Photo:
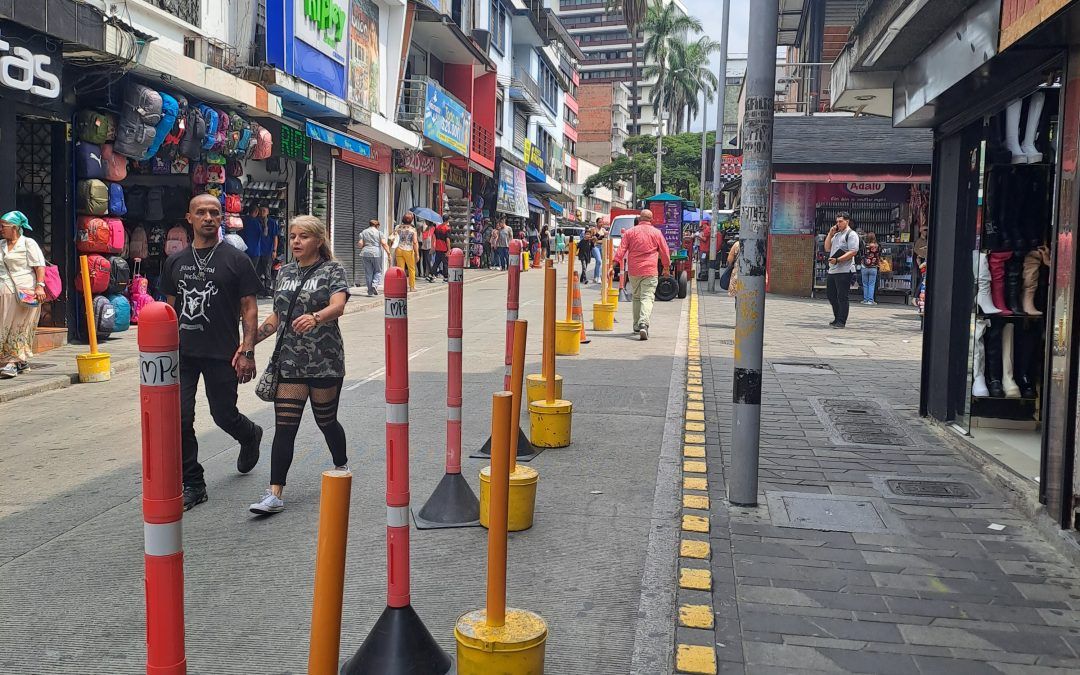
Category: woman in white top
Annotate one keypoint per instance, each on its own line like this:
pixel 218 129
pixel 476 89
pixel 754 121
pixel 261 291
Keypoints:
pixel 406 248
pixel 22 290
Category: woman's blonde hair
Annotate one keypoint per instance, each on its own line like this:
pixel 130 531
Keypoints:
pixel 316 228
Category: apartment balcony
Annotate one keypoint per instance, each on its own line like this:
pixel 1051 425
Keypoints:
pixel 525 91
pixel 619 131
pixel 413 104
pixel 483 146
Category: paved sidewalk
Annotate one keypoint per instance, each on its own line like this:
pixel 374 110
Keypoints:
pixel 833 571
pixel 56 368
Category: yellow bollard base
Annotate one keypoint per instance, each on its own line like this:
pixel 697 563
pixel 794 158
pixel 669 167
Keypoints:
pixel 524 260
pixel 613 297
pixel 603 316
pixel 94 367
pixel 549 423
pixel 536 387
pixel 522 502
pixel 567 338
pixel 515 647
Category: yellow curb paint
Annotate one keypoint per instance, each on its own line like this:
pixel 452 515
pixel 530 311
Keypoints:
pixel 698 415
pixel 696 439
pixel 696 659
pixel 693 451
pixel 692 548
pixel 695 426
pixel 693 381
pixel 695 524
pixel 694 389
pixel 694 467
pixel 695 579
pixel 695 405
pixel 696 616
pixel 695 502
pixel 695 483
pixel 694 396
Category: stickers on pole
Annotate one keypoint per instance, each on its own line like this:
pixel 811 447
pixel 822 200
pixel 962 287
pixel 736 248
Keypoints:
pixel 159 369
pixel 396 308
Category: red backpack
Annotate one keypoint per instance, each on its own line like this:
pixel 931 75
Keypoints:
pixel 100 272
pixel 92 235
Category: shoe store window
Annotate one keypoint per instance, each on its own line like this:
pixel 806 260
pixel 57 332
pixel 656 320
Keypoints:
pixel 1017 173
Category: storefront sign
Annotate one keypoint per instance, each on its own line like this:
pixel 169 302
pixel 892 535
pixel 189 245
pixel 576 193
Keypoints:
pixel 338 139
pixel 865 188
pixel 446 121
pixel 1020 17
pixel 412 161
pixel 321 24
pixel 512 198
pixel 308 39
pixel 293 144
pixel 24 70
pixel 380 161
pixel 793 208
pixel 454 176
pixel 364 55
pixel 672 227
pixel 534 162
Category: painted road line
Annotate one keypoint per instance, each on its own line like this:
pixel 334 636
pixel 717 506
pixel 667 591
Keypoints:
pixel 382 371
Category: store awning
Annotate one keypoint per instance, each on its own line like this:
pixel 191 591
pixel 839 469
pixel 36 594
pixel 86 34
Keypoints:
pixel 915 174
pixel 556 206
pixel 338 139
pixel 535 205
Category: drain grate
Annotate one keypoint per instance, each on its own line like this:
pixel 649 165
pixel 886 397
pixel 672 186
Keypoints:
pixel 934 489
pixel 866 423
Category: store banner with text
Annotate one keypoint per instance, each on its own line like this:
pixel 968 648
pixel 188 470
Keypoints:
pixel 672 227
pixel 512 198
pixel 321 24
pixel 414 161
pixel 364 55
pixel 446 121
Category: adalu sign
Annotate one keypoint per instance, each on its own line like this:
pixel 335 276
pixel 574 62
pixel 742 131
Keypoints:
pixel 446 121
pixel 28 71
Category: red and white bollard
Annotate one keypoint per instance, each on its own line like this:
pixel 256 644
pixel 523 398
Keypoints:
pixel 399 642
pixel 453 503
pixel 163 490
pixel 525 450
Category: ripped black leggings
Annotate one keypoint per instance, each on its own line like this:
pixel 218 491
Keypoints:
pixel 292 397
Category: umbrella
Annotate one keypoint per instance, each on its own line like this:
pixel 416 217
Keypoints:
pixel 428 215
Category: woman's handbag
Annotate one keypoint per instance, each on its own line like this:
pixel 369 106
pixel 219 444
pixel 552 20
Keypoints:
pixel 266 389
pixel 885 266
pixel 54 287
pixel 28 298
pixel 725 277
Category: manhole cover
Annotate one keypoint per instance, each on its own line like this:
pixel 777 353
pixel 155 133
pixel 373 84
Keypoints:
pixel 831 513
pixel 931 488
pixel 804 368
pixel 866 423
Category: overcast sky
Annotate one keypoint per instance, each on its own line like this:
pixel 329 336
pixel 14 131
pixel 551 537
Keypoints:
pixel 709 12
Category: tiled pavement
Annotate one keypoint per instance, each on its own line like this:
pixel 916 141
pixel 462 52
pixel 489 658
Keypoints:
pixel 878 583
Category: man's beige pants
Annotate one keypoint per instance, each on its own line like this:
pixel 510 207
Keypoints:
pixel 644 289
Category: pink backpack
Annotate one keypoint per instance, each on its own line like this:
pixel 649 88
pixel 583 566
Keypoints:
pixel 264 144
pixel 115 165
pixel 116 234
pixel 138 291
pixel 138 245
pixel 176 240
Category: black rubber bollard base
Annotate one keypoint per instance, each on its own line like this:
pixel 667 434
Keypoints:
pixel 525 450
pixel 399 644
pixel 452 504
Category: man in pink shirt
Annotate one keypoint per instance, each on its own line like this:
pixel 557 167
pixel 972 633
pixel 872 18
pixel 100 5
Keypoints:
pixel 644 246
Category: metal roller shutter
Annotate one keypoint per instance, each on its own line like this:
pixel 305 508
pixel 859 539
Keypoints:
pixel 356 201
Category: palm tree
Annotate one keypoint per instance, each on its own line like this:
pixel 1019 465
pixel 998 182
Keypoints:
pixel 683 78
pixel 665 26
pixel 633 13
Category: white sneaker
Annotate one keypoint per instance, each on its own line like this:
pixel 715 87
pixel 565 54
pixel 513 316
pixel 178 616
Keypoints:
pixel 343 467
pixel 9 371
pixel 268 504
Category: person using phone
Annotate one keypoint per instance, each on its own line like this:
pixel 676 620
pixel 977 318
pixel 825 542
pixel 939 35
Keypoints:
pixel 842 243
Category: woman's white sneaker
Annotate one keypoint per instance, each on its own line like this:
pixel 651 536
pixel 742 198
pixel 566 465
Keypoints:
pixel 268 504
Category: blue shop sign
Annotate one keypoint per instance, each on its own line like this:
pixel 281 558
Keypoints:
pixel 308 39
pixel 446 121
pixel 337 139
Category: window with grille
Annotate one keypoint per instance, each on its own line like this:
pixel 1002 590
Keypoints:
pixel 497 22
pixel 185 10
pixel 521 128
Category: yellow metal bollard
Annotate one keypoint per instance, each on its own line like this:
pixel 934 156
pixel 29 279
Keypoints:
pixel 95 366
pixel 550 418
pixel 329 573
pixel 536 387
pixel 536 384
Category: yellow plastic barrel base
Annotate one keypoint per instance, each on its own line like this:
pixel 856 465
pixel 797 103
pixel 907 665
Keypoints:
pixel 550 423
pixel 603 316
pixel 613 297
pixel 524 261
pixel 567 338
pixel 515 647
pixel 536 387
pixel 522 503
pixel 94 367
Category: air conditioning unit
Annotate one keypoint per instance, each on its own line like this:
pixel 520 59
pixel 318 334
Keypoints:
pixel 212 52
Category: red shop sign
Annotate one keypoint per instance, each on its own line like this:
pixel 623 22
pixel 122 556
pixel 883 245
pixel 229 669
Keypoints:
pixel 380 161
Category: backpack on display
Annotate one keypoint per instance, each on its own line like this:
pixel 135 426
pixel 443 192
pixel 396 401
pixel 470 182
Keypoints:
pixel 222 135
pixel 135 200
pixel 244 145
pixel 114 165
pixel 117 235
pixel 214 157
pixel 104 317
pixel 122 307
pixel 234 224
pixel 264 144
pixel 93 197
pixel 234 168
pixel 215 174
pixel 88 160
pixel 200 175
pixel 99 275
pixel 117 207
pixel 211 117
pixel 155 240
pixel 177 240
pixel 160 166
pixel 170 146
pixel 119 275
pixel 233 186
pixel 138 291
pixel 169 110
pixel 94 126
pixel 155 204
pixel 133 137
pixel 233 204
pixel 138 243
pixel 194 132
pixel 92 235
pixel 142 103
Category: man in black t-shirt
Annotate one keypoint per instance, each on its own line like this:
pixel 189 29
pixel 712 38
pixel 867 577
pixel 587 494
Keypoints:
pixel 213 288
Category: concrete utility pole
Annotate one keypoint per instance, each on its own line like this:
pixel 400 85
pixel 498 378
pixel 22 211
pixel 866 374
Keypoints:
pixel 704 133
pixel 718 146
pixel 659 143
pixel 754 217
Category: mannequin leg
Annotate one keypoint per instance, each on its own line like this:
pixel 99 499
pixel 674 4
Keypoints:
pixel 1012 390
pixel 978 380
pixel 1035 106
pixel 1012 132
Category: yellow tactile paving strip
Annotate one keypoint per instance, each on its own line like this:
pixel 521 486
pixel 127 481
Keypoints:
pixel 694 547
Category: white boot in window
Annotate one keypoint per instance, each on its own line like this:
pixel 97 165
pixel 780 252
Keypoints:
pixel 978 360
pixel 1035 106
pixel 982 285
pixel 1012 390
pixel 1012 132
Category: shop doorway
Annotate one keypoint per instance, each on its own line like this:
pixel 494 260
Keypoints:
pixel 356 201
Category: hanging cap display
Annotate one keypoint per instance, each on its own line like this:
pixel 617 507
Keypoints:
pixel 18 219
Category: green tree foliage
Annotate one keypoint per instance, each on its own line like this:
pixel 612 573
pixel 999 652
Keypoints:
pixel 681 162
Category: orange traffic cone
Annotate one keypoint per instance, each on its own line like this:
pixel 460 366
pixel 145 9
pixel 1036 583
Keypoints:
pixel 577 314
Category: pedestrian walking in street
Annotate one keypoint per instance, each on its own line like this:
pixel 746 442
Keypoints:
pixel 733 263
pixel 647 256
pixel 22 292
pixel 442 251
pixel 599 232
pixel 372 246
pixel 560 246
pixel 405 256
pixel 271 233
pixel 532 236
pixel 503 235
pixel 585 250
pixel 871 261
pixel 425 265
pixel 484 239
pixel 309 298
pixel 843 245
pixel 253 237
pixel 213 289
pixel 547 242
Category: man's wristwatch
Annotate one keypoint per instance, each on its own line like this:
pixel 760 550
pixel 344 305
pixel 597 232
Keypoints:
pixel 315 316
pixel 249 354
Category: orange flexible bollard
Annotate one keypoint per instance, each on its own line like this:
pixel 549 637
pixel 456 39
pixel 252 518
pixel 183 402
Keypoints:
pixel 329 573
